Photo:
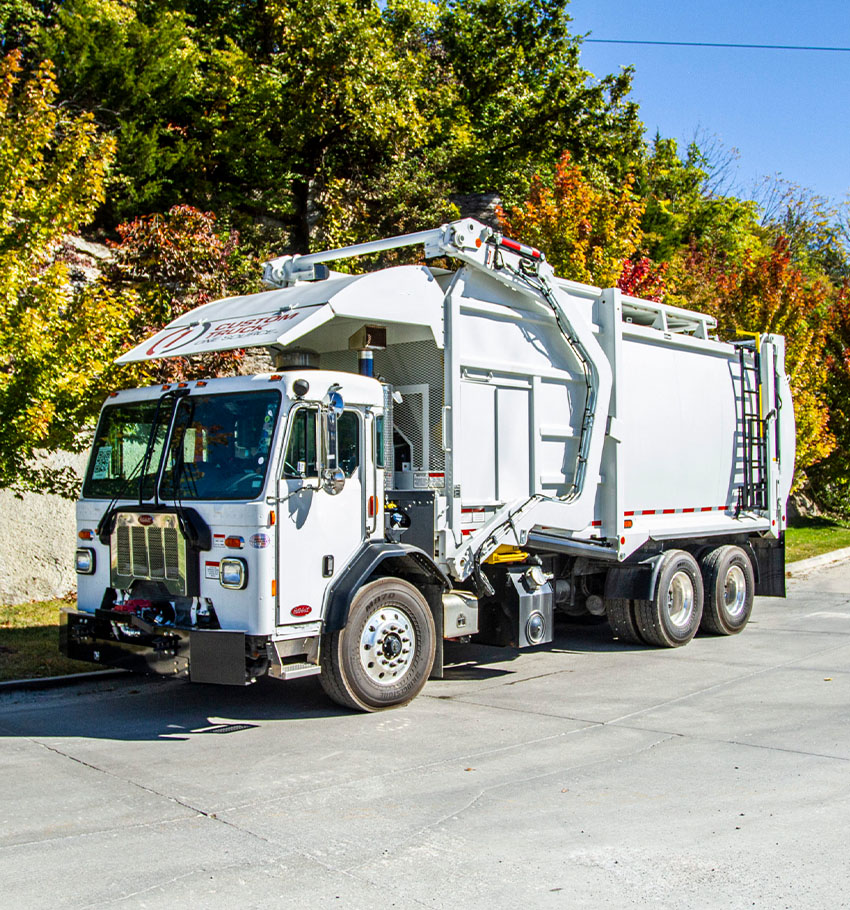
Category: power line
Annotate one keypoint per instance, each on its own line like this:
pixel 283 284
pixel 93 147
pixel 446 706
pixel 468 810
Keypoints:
pixel 764 47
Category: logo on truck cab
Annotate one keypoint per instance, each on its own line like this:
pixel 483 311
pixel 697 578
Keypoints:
pixel 146 520
pixel 301 610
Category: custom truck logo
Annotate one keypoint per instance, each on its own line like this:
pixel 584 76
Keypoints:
pixel 206 334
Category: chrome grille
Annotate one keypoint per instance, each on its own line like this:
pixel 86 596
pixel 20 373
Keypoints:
pixel 151 552
pixel 139 543
pixel 125 566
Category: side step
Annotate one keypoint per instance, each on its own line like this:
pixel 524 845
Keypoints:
pixel 294 671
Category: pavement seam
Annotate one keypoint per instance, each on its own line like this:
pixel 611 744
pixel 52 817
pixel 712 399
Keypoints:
pixel 738 742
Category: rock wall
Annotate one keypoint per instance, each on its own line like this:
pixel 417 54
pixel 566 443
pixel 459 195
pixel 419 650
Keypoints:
pixel 37 543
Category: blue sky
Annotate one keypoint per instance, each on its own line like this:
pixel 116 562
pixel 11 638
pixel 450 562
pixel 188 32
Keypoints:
pixel 786 112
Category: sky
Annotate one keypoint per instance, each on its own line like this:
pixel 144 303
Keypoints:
pixel 786 112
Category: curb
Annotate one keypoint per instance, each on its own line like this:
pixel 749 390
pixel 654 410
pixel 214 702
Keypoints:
pixel 804 566
pixel 54 682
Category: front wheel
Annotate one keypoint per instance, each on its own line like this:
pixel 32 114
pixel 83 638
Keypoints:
pixel 383 656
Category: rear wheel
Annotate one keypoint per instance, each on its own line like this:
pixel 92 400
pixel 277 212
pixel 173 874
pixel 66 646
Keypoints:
pixel 672 617
pixel 383 657
pixel 621 617
pixel 729 586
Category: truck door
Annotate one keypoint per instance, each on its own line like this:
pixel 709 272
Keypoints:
pixel 317 532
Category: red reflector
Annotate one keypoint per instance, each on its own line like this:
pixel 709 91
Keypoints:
pixel 596 524
pixel 235 543
pixel 688 510
pixel 85 535
pixel 705 509
pixel 669 512
pixel 648 512
pixel 301 610
pixel 622 540
pixel 372 506
pixel 628 513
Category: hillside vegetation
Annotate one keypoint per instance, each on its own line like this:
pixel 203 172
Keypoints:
pixel 198 137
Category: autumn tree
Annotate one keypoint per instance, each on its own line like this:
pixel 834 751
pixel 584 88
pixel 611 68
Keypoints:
pixel 167 264
pixel 587 232
pixel 767 293
pixel 55 341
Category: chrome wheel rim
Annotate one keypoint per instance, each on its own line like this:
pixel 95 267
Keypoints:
pixel 680 600
pixel 735 592
pixel 387 646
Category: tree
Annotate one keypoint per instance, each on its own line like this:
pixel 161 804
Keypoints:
pixel 587 233
pixel 767 293
pixel 54 340
pixel 166 265
pixel 523 96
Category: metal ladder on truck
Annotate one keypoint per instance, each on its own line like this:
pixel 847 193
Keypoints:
pixel 752 492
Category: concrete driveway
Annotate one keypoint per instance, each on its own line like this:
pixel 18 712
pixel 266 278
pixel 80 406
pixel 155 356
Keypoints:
pixel 582 774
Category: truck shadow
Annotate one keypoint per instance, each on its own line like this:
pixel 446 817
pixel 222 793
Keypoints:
pixel 139 708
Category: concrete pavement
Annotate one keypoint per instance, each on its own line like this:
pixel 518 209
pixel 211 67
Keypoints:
pixel 585 773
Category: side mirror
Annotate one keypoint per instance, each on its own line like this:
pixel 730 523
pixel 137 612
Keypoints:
pixel 333 481
pixel 333 477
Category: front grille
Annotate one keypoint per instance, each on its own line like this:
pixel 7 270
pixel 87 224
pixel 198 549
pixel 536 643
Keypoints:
pixel 151 552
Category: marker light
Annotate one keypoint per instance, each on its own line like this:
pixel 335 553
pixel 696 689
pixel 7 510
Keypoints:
pixel 84 561
pixel 233 573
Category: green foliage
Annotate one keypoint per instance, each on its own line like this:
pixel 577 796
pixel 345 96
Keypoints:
pixel 524 97
pixel 53 339
pixel 681 209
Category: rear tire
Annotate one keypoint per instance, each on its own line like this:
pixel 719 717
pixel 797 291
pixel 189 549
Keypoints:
pixel 383 656
pixel 729 587
pixel 621 617
pixel 672 617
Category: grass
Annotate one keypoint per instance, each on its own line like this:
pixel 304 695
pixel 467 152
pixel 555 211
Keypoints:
pixel 807 537
pixel 29 633
pixel 29 642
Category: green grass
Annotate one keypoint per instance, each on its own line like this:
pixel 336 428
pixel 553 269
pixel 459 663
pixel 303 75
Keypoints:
pixel 807 537
pixel 29 633
pixel 29 642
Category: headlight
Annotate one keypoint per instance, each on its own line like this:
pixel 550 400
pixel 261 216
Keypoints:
pixel 233 573
pixel 85 561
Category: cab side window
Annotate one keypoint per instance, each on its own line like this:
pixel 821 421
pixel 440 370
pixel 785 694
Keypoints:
pixel 300 459
pixel 348 442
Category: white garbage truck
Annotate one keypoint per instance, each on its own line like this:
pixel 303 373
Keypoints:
pixel 452 452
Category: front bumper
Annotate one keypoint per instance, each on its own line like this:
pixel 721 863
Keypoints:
pixel 119 639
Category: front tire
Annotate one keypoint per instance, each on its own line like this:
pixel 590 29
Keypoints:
pixel 383 656
pixel 672 617
pixel 729 586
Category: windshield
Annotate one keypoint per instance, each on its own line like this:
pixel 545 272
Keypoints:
pixel 121 441
pixel 220 446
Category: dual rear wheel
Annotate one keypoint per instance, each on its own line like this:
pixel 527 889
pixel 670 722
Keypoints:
pixel 714 595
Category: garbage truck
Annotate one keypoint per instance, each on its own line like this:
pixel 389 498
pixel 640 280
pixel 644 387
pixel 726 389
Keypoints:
pixel 458 450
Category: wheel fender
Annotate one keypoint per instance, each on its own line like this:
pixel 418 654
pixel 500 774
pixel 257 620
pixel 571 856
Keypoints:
pixel 376 559
pixel 634 582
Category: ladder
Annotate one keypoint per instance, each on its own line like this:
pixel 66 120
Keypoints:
pixel 752 492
